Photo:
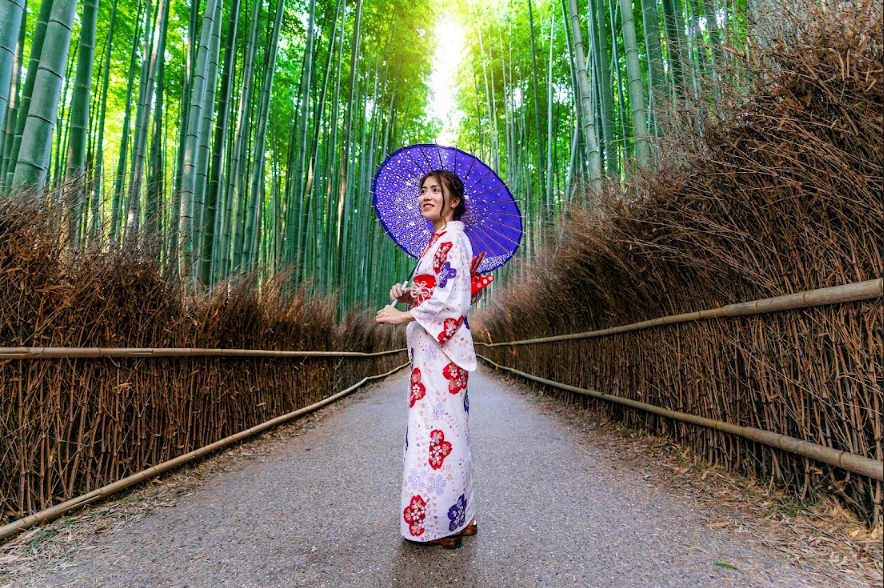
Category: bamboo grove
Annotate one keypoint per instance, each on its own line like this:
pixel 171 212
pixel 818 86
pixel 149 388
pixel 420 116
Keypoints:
pixel 233 137
pixel 228 136
pixel 564 95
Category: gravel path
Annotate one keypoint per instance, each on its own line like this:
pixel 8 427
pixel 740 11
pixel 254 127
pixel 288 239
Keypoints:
pixel 555 508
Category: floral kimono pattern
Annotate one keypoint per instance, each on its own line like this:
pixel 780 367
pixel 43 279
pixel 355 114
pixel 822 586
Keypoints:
pixel 437 481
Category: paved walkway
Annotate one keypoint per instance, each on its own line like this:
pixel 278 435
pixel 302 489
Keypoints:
pixel 555 509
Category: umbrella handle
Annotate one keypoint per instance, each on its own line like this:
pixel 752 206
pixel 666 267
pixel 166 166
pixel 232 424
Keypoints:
pixel 395 302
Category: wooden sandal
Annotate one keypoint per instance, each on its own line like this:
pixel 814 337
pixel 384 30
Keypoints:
pixel 450 542
pixel 470 529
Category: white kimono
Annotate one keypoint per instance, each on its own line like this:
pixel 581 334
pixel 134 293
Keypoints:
pixel 437 481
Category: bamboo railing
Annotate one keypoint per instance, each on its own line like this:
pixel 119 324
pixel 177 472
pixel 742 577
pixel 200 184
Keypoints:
pixel 134 352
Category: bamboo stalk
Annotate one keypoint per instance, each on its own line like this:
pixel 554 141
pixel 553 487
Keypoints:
pixel 857 464
pixel 107 490
pixel 108 352
pixel 855 292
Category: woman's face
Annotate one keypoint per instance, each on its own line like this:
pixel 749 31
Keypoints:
pixel 431 201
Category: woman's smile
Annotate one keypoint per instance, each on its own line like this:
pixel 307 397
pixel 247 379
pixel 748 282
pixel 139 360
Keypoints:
pixel 431 197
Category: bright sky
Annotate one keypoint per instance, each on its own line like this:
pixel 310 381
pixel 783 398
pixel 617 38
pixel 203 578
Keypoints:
pixel 445 62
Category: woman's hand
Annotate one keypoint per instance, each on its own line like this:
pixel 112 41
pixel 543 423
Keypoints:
pixel 400 294
pixel 390 316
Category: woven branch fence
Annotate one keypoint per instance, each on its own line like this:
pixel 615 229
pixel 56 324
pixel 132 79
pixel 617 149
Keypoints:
pixel 846 459
pixel 160 467
pixel 780 194
pixel 72 425
pixel 110 366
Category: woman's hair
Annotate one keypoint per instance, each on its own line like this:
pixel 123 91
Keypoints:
pixel 455 187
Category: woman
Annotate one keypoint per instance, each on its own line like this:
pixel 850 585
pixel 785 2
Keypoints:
pixel 437 487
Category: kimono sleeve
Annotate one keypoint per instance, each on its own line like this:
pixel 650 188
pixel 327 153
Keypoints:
pixel 443 312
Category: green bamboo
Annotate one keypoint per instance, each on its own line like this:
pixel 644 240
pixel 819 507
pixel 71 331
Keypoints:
pixel 99 154
pixel 11 12
pixel 33 159
pixel 547 213
pixel 76 154
pixel 28 88
pixel 589 133
pixel 233 228
pixel 55 170
pixel 536 95
pixel 251 241
pixel 656 77
pixel 207 273
pixel 11 119
pixel 155 167
pixel 641 142
pixel 674 25
pixel 117 202
pixel 191 141
pixel 345 148
pixel 304 180
pixel 604 84
pixel 203 152
pixel 155 48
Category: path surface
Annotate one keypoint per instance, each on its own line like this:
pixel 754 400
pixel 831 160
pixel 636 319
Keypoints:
pixel 554 509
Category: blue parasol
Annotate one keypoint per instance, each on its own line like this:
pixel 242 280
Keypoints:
pixel 492 220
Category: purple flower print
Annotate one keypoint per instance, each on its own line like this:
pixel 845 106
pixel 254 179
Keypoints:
pixel 446 273
pixel 406 437
pixel 436 484
pixel 466 401
pixel 438 411
pixel 457 513
pixel 417 478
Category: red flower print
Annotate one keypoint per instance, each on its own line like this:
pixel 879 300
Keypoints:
pixel 449 326
pixel 439 448
pixel 417 389
pixel 422 288
pixel 435 237
pixel 441 256
pixel 457 377
pixel 414 514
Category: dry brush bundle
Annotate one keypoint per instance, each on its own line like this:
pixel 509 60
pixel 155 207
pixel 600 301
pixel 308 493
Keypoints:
pixel 68 426
pixel 780 196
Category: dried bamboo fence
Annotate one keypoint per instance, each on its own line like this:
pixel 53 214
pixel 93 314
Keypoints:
pixel 114 487
pixel 858 464
pixel 72 422
pixel 111 366
pixel 781 193
pixel 812 374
